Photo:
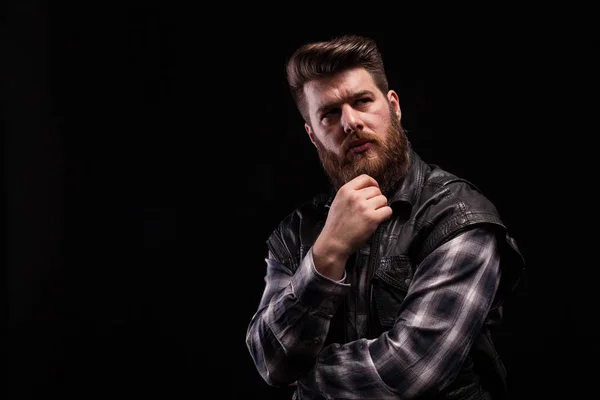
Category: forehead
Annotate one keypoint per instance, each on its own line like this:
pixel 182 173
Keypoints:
pixel 338 87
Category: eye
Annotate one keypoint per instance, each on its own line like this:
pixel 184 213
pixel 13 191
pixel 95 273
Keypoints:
pixel 330 114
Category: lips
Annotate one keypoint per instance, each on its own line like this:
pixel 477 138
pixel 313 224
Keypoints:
pixel 359 145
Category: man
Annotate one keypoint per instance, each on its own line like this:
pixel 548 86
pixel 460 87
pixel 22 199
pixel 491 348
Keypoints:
pixel 389 286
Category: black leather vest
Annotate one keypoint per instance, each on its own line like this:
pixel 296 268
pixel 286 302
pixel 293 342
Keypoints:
pixel 430 207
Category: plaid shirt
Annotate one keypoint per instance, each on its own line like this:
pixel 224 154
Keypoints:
pixel 446 305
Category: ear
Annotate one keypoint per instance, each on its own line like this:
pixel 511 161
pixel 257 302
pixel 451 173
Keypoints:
pixel 395 102
pixel 310 132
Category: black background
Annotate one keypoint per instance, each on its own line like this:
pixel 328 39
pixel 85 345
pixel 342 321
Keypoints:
pixel 149 151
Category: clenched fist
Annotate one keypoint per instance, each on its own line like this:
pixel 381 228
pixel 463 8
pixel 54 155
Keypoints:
pixel 356 211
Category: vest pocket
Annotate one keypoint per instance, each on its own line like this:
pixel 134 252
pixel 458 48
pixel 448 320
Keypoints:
pixel 390 285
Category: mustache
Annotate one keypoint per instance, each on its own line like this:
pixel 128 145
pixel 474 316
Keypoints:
pixel 362 136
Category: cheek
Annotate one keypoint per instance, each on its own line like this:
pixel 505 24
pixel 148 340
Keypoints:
pixel 330 142
pixel 336 147
pixel 381 131
pixel 380 122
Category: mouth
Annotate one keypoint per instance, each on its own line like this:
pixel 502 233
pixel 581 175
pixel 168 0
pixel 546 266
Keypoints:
pixel 360 146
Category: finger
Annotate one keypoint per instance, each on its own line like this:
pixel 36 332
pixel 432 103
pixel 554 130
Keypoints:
pixel 378 202
pixel 383 213
pixel 369 192
pixel 362 181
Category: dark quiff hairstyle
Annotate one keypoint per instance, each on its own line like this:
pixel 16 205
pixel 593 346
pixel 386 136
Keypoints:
pixel 326 58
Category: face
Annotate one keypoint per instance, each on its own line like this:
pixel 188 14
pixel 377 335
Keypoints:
pixel 356 129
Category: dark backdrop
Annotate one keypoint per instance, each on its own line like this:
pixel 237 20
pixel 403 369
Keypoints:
pixel 150 150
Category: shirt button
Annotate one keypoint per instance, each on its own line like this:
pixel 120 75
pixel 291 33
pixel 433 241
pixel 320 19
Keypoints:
pixel 317 340
pixel 407 281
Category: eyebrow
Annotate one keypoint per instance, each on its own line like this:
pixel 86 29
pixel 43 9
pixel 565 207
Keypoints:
pixel 328 106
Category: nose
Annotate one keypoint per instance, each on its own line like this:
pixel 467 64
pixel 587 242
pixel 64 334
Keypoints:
pixel 351 120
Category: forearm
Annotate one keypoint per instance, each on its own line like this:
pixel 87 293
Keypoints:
pixel 329 259
pixel 384 368
pixel 288 331
pixel 443 311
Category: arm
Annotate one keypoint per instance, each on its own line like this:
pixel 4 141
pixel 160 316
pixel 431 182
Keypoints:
pixel 288 331
pixel 445 308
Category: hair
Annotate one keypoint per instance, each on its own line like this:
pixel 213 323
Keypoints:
pixel 326 58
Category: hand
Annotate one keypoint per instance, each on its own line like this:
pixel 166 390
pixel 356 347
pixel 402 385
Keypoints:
pixel 356 211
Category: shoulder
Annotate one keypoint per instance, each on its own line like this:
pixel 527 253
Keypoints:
pixel 447 206
pixel 442 186
pixel 294 234
pixel 306 212
pixel 449 199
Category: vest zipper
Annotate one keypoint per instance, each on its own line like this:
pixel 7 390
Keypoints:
pixel 373 257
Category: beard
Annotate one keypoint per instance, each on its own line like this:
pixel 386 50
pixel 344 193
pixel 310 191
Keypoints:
pixel 387 161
